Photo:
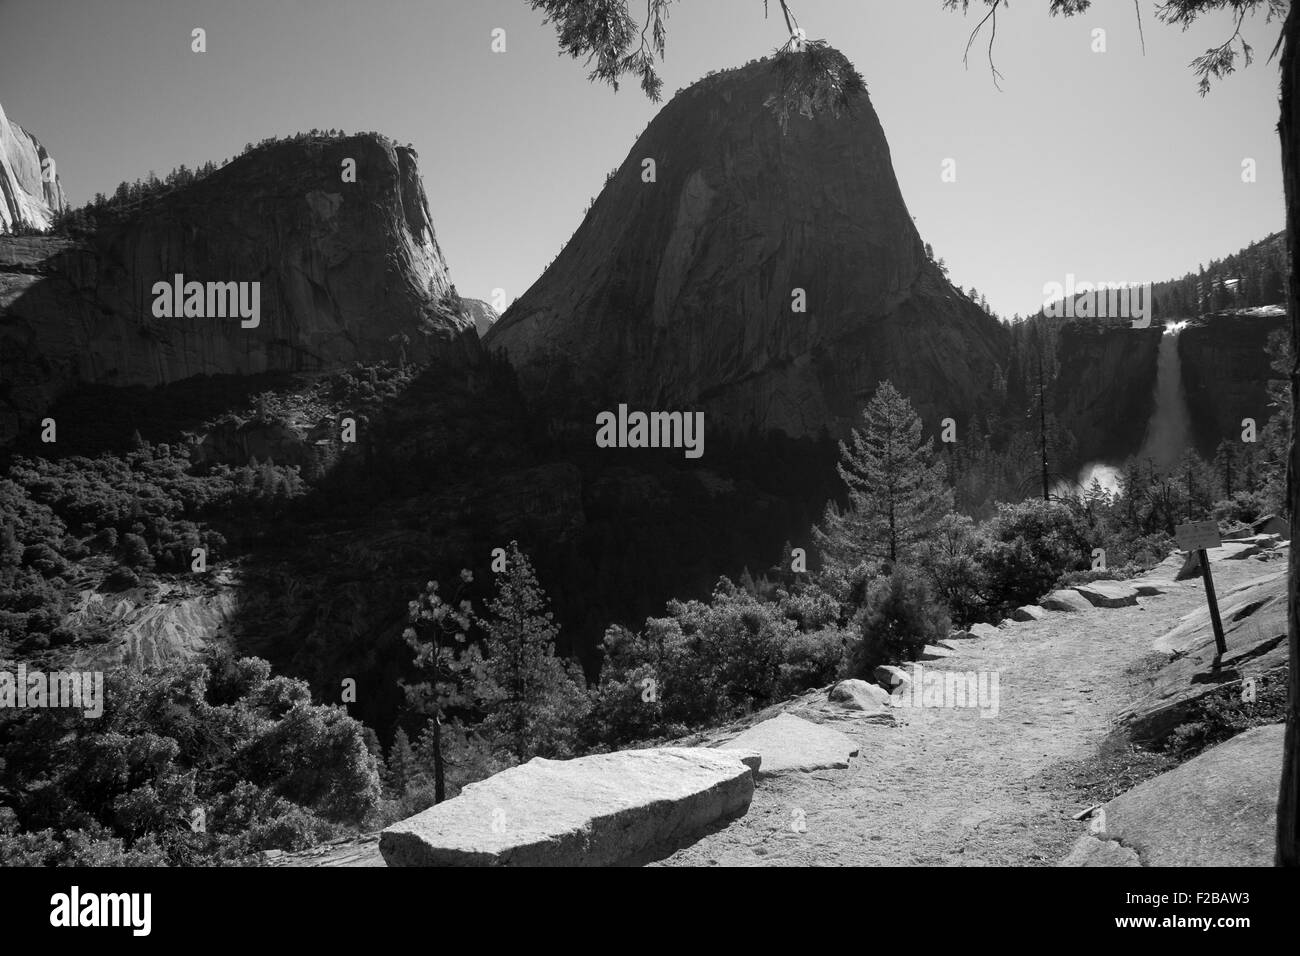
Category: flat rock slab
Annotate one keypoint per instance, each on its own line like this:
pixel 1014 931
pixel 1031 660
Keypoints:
pixel 600 810
pixel 1217 809
pixel 791 744
pixel 1090 851
pixel 1228 551
pixel 1235 604
pixel 983 630
pixel 1108 594
pixel 932 652
pixel 1066 599
pixel 1030 612
pixel 1255 632
pixel 855 694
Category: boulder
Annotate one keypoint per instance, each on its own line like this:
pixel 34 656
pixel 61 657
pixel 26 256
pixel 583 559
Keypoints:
pixel 791 744
pixel 1030 612
pixel 891 677
pixel 1217 809
pixel 932 652
pixel 961 636
pixel 1108 594
pixel 600 810
pixel 855 694
pixel 1066 599
pixel 983 630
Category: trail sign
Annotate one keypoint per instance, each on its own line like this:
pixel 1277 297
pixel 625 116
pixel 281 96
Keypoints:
pixel 1198 536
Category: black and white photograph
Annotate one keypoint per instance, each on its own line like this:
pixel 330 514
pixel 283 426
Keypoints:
pixel 850 434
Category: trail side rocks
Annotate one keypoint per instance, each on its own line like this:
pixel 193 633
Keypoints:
pixel 1255 632
pixel 1234 550
pixel 601 810
pixel 857 694
pixel 1067 600
pixel 1030 612
pixel 1108 594
pixel 1217 809
pixel 791 744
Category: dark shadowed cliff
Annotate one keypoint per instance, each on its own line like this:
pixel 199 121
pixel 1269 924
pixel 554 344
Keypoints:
pixel 348 271
pixel 679 292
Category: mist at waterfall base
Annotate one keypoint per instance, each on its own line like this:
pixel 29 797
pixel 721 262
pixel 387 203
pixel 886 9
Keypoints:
pixel 1169 429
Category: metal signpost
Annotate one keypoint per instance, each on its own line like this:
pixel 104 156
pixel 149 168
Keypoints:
pixel 1198 536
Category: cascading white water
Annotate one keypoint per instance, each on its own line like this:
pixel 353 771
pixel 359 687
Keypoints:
pixel 1169 431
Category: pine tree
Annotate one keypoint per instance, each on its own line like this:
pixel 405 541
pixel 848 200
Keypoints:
pixel 401 763
pixel 534 700
pixel 897 490
pixel 451 667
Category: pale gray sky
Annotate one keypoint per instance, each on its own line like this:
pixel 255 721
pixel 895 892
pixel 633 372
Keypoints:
pixel 1107 165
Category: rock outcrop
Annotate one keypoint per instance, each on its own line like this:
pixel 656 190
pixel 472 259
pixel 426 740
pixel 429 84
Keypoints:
pixel 602 810
pixel 683 291
pixel 790 744
pixel 1254 627
pixel 1226 368
pixel 346 271
pixel 30 189
pixel 482 314
pixel 1218 809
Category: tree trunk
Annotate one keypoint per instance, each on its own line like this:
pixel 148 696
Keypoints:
pixel 439 776
pixel 1288 805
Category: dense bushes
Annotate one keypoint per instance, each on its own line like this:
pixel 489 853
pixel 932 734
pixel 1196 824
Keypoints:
pixel 206 760
pixel 901 616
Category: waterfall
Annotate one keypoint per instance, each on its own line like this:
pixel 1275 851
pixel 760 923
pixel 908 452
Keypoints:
pixel 1169 431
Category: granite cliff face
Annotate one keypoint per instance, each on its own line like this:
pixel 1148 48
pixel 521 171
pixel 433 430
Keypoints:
pixel 347 271
pixel 1226 368
pixel 681 291
pixel 1104 390
pixel 30 189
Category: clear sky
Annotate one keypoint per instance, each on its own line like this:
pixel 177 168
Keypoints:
pixel 1106 165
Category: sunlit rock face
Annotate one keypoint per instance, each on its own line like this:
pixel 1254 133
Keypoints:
pixel 30 189
pixel 686 291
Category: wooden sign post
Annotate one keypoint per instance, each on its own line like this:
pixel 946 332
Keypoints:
pixel 1198 536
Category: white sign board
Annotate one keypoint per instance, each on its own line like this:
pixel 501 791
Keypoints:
pixel 1198 534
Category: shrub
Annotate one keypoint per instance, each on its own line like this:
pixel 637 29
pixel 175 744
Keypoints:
pixel 901 616
pixel 1031 545
pixel 812 660
pixel 121 579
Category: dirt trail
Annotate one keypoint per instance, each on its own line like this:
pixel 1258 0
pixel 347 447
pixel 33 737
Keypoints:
pixel 949 787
